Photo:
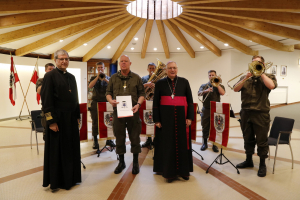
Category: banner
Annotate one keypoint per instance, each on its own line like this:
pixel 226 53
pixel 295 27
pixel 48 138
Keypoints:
pixel 146 115
pixel 13 79
pixel 83 126
pixel 105 119
pixel 34 78
pixel 219 123
pixel 194 124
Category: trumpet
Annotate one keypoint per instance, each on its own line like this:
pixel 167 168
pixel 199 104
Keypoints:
pixel 215 81
pixel 256 68
pixel 102 76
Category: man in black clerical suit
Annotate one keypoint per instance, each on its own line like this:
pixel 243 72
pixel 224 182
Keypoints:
pixel 62 166
pixel 173 112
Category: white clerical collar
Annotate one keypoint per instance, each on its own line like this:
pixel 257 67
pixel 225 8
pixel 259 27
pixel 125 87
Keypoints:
pixel 61 70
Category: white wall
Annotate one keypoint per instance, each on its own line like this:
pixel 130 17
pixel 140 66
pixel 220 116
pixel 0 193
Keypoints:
pixel 229 65
pixel 25 67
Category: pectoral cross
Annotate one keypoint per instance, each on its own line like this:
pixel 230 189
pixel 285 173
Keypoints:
pixel 124 86
pixel 172 96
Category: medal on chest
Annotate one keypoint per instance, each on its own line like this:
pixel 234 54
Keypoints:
pixel 124 86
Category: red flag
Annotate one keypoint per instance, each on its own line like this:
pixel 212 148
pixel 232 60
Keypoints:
pixel 219 123
pixel 13 79
pixel 34 78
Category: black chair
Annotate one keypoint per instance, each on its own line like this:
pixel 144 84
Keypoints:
pixel 36 125
pixel 280 133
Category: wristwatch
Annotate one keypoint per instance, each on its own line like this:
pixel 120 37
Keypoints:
pixel 139 105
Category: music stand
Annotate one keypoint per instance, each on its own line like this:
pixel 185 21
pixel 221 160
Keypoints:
pixel 222 163
pixel 105 147
pixel 198 154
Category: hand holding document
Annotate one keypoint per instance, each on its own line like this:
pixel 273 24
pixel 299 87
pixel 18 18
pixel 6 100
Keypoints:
pixel 124 108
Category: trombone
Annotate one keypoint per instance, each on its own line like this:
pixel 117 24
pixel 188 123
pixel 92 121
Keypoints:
pixel 215 81
pixel 256 68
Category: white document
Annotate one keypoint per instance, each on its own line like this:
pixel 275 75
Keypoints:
pixel 124 106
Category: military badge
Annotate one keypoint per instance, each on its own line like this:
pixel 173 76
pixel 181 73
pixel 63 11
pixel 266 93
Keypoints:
pixel 108 119
pixel 219 122
pixel 148 117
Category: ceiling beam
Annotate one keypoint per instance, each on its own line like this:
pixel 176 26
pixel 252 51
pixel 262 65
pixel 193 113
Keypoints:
pixel 297 46
pixel 99 1
pixel 108 38
pixel 146 37
pixel 33 18
pixel 48 27
pixel 219 36
pixel 180 37
pixel 255 25
pixel 198 36
pixel 204 1
pixel 26 6
pixel 163 37
pixel 68 32
pixel 131 33
pixel 99 30
pixel 253 5
pixel 273 17
pixel 243 33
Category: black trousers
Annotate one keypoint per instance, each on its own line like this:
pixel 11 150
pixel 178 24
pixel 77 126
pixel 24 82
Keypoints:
pixel 94 115
pixel 255 127
pixel 205 122
pixel 134 128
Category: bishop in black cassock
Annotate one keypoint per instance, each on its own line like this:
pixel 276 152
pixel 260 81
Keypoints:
pixel 62 166
pixel 172 114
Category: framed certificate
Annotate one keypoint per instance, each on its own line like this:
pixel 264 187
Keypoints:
pixel 124 107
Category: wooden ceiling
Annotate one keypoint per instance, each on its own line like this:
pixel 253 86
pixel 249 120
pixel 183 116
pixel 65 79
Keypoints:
pixel 273 24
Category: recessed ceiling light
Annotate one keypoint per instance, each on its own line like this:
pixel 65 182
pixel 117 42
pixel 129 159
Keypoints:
pixel 108 47
pixel 61 40
pixel 85 44
pixel 132 48
pixel 202 47
pixel 226 44
pixel 155 49
pixel 136 39
pixel 178 48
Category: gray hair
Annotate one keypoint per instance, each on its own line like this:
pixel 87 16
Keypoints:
pixel 60 52
pixel 170 63
pixel 126 56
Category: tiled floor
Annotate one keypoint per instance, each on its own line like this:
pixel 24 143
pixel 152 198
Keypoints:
pixel 21 172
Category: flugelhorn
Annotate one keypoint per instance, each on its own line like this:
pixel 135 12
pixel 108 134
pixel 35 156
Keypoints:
pixel 215 81
pixel 256 68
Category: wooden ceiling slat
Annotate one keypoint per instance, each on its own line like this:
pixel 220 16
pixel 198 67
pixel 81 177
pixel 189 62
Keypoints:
pixel 253 5
pixel 146 37
pixel 48 27
pixel 254 25
pixel 108 38
pixel 273 17
pixel 163 37
pixel 198 36
pixel 68 32
pixel 219 36
pixel 204 1
pixel 33 18
pixel 99 1
pixel 243 33
pixel 27 6
pixel 131 33
pixel 180 37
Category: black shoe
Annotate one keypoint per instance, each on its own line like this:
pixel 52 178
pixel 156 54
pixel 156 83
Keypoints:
pixel 110 143
pixel 120 167
pixel 170 180
pixel 185 178
pixel 147 143
pixel 95 144
pixel 215 148
pixel 262 171
pixel 203 147
pixel 245 164
pixel 54 190
pixel 135 168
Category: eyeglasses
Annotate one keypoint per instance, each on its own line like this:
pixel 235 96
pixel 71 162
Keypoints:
pixel 170 68
pixel 63 59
